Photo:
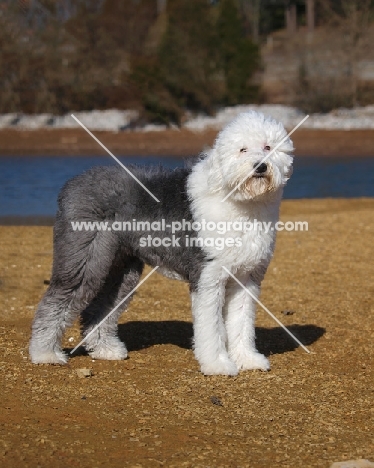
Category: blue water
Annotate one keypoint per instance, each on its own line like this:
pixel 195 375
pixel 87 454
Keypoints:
pixel 29 185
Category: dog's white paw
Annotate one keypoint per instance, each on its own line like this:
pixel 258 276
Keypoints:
pixel 111 352
pixel 48 357
pixel 251 361
pixel 221 366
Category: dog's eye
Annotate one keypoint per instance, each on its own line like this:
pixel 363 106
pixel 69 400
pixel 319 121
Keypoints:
pixel 267 148
pixel 243 150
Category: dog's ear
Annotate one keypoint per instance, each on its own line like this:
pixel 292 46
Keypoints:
pixel 214 170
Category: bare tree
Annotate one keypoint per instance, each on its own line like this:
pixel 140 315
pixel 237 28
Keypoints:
pixel 331 65
pixel 351 21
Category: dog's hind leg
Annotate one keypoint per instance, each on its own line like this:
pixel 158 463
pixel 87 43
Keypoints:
pixel 103 343
pixel 82 260
pixel 51 319
pixel 239 315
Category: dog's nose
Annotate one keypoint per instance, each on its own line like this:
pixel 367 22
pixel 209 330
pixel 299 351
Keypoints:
pixel 260 169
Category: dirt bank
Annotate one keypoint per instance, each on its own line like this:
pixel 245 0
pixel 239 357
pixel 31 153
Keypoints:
pixel 172 142
pixel 155 409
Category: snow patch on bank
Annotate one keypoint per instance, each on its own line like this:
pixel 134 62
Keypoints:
pixel 116 120
pixel 289 116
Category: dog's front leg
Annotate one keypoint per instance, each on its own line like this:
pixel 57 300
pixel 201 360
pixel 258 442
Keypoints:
pixel 239 313
pixel 209 330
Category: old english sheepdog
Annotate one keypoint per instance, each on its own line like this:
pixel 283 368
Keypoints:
pixel 93 270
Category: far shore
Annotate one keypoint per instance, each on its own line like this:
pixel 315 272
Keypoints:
pixel 177 143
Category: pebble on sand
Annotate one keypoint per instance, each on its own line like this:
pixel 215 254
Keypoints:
pixel 82 373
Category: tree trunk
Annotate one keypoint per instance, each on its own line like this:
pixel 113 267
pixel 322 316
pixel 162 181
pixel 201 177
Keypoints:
pixel 291 18
pixel 161 6
pixel 310 15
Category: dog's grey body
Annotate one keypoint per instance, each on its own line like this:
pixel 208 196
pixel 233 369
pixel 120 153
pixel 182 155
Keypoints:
pixel 126 200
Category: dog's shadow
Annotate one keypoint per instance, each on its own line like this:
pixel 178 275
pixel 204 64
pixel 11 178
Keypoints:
pixel 277 341
pixel 140 335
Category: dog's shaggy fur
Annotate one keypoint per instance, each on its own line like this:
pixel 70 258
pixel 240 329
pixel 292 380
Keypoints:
pixel 94 270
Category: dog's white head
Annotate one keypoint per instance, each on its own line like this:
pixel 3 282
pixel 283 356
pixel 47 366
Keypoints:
pixel 243 153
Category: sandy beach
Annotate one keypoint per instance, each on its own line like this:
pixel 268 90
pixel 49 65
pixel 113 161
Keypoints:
pixel 156 409
pixel 183 143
